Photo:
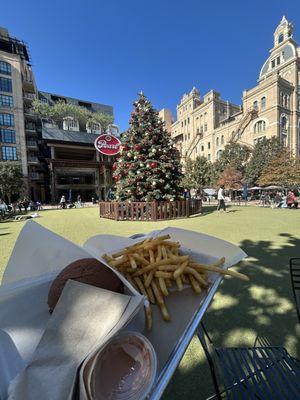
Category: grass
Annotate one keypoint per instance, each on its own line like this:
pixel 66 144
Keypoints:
pixel 240 311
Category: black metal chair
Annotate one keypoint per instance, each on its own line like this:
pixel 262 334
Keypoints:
pixel 261 372
pixel 295 277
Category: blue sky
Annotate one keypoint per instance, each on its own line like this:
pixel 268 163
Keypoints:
pixel 108 51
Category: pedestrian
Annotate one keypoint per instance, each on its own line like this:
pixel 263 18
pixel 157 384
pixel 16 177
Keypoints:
pixel 291 199
pixel 186 194
pixel 63 201
pixel 221 199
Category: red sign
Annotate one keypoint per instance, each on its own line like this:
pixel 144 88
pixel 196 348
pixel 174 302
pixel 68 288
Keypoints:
pixel 108 144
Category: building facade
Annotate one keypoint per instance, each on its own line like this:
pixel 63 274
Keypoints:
pixel 55 159
pixel 271 108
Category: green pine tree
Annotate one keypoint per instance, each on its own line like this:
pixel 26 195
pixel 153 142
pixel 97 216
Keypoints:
pixel 149 164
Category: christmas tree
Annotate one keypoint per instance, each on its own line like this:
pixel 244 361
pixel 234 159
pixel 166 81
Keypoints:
pixel 149 164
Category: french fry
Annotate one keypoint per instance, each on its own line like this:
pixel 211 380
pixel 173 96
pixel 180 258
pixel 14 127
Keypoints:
pixel 132 262
pixel 151 256
pixel 139 258
pixel 148 314
pixel 221 271
pixel 159 254
pixel 167 267
pixel 195 284
pixel 168 283
pixel 118 261
pixel 140 285
pixel 165 313
pixel 164 252
pixel 162 274
pixel 180 270
pixel 150 295
pixel 163 286
pixel 157 293
pixel 193 272
pixel 149 279
pixel 179 283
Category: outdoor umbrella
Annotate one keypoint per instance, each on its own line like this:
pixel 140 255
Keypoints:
pixel 210 192
pixel 272 187
pixel 255 188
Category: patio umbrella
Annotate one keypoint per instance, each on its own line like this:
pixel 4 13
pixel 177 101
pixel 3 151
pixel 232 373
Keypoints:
pixel 210 192
pixel 255 188
pixel 272 187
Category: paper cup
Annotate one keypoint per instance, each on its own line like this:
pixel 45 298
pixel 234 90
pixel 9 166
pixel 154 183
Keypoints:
pixel 125 369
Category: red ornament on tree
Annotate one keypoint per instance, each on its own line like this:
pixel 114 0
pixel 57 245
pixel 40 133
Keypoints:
pixel 153 164
pixel 137 147
pixel 114 167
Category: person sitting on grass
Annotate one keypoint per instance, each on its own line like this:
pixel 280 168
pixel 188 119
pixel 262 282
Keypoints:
pixel 291 199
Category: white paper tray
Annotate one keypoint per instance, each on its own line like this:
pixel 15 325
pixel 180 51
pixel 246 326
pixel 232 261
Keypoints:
pixel 39 255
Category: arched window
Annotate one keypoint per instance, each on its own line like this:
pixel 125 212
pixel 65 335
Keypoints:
pixel 217 142
pixel 222 139
pixel 281 99
pixel 255 105
pixel 219 152
pixel 5 68
pixel 70 124
pixel 263 103
pixel 280 38
pixel 260 126
pixel 284 123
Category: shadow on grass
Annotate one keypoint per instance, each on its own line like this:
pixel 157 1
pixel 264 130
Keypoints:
pixel 6 233
pixel 241 311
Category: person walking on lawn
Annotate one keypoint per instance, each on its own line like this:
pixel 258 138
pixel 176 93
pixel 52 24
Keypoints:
pixel 221 199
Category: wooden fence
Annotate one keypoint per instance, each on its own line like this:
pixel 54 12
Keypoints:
pixel 149 211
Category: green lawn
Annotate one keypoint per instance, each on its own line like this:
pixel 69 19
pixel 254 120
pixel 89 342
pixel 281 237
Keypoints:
pixel 240 310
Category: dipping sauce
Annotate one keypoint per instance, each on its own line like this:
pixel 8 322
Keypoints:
pixel 125 369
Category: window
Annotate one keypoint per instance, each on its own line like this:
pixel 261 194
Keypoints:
pixel 222 139
pixel 281 98
pixel 92 127
pixel 273 63
pixel 188 136
pixel 198 131
pixel 181 124
pixel 205 127
pixel 280 38
pixel 9 153
pixel 5 68
pixel 286 101
pixel 5 85
pixel 7 136
pixel 201 129
pixel 208 157
pixel 6 101
pixel 263 103
pixel 217 142
pixel 208 145
pixel 219 152
pixel 202 148
pixel 7 119
pixel 260 126
pixel 70 124
pixel 278 60
pixel 255 105
pixel 188 120
pixel 284 123
pixel 185 122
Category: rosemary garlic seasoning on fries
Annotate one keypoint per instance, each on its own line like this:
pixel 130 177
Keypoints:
pixel 154 265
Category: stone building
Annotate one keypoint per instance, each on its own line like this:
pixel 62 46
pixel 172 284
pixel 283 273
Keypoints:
pixel 272 108
pixel 55 159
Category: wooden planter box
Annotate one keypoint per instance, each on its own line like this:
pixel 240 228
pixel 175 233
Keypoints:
pixel 149 211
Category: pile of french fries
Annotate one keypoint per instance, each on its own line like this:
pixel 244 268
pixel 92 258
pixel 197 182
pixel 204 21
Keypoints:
pixel 154 265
